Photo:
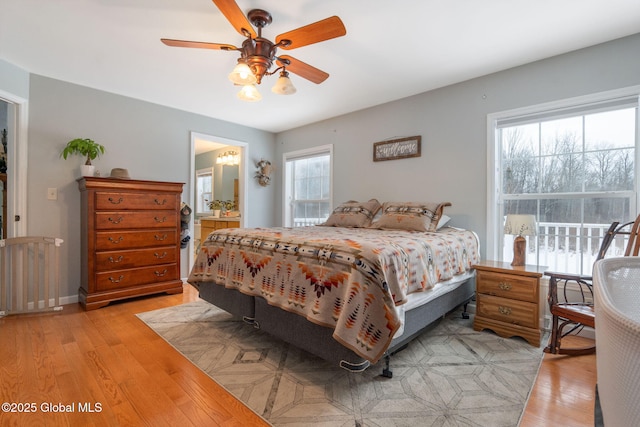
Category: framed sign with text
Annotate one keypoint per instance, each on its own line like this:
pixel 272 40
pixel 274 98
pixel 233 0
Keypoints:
pixel 397 148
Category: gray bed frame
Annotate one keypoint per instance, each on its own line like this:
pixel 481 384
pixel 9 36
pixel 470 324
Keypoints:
pixel 318 340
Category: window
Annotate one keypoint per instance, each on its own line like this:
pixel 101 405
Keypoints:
pixel 574 168
pixel 204 190
pixel 307 186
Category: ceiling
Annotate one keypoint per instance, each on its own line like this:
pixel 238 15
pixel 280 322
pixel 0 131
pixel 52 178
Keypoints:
pixel 393 49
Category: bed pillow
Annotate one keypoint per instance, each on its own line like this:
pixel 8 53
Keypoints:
pixel 353 214
pixel 414 216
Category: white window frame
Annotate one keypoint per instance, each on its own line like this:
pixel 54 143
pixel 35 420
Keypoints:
pixel 495 232
pixel 287 190
pixel 205 171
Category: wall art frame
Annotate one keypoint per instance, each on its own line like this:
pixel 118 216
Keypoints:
pixel 397 148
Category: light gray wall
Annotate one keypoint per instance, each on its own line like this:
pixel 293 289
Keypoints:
pixel 14 80
pixel 452 122
pixel 151 141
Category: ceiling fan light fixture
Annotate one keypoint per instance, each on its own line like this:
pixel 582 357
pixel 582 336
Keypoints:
pixel 249 93
pixel 257 53
pixel 242 75
pixel 283 85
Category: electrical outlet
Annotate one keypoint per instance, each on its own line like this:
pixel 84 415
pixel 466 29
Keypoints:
pixel 52 193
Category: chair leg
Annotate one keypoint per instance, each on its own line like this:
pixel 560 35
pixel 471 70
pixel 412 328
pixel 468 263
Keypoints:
pixel 555 341
pixel 553 345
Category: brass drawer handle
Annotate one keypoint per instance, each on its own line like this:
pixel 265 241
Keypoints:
pixel 116 221
pixel 160 220
pixel 157 255
pixel 116 241
pixel 161 203
pixel 504 310
pixel 160 274
pixel 115 261
pixel 116 202
pixel 161 238
pixel 504 286
pixel 118 280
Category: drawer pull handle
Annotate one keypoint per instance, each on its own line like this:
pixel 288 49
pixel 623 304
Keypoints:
pixel 116 202
pixel 161 203
pixel 118 280
pixel 160 274
pixel 160 238
pixel 504 310
pixel 115 261
pixel 116 221
pixel 159 256
pixel 160 220
pixel 504 286
pixel 116 241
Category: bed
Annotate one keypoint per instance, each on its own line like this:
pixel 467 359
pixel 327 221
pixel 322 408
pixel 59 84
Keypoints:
pixel 351 291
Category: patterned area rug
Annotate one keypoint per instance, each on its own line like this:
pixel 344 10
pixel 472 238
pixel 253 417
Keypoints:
pixel 449 376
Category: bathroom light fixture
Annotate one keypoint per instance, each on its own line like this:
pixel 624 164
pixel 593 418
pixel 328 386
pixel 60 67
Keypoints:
pixel 229 158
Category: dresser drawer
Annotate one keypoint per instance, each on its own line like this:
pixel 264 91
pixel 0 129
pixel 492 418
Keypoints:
pixel 119 279
pixel 117 240
pixel 506 310
pixel 135 219
pixel 507 285
pixel 113 260
pixel 118 201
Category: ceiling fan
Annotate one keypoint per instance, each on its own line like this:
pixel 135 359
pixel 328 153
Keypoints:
pixel 258 54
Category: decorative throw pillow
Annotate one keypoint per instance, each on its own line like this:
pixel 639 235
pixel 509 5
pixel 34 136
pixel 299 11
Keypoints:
pixel 353 214
pixel 415 216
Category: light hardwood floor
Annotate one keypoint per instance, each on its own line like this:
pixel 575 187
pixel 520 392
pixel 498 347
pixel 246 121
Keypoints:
pixel 105 367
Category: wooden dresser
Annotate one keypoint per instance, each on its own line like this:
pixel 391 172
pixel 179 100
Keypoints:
pixel 130 239
pixel 508 300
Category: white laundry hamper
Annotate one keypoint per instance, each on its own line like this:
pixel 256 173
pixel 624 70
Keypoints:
pixel 616 283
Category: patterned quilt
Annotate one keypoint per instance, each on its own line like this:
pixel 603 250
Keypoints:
pixel 348 279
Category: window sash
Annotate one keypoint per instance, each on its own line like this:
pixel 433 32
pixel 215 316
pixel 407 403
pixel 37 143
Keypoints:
pixel 292 201
pixel 616 100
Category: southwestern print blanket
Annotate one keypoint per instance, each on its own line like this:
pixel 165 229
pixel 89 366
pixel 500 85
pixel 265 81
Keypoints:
pixel 348 279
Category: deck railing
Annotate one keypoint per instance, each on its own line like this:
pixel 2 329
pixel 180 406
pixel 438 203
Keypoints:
pixel 567 247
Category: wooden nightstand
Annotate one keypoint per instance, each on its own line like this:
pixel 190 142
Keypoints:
pixel 508 300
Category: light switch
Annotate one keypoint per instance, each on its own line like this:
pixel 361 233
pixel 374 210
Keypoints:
pixel 52 193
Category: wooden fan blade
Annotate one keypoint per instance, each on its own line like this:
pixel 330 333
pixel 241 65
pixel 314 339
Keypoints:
pixel 302 69
pixel 235 16
pixel 198 45
pixel 313 33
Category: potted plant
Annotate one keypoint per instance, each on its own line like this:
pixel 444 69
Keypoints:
pixel 84 147
pixel 216 206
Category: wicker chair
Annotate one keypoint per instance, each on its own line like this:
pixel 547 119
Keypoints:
pixel 566 311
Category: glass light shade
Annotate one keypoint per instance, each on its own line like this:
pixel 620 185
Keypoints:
pixel 228 158
pixel 520 225
pixel 242 75
pixel 283 85
pixel 249 93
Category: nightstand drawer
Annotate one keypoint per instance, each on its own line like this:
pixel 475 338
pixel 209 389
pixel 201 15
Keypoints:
pixel 521 288
pixel 507 310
